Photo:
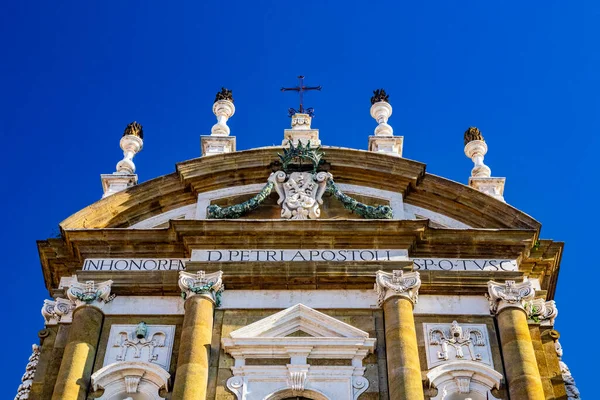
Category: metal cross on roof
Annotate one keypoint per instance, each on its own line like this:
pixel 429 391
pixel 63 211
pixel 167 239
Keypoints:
pixel 301 89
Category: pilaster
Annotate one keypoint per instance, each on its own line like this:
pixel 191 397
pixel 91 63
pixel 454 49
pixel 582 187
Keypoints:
pixel 507 303
pixel 76 366
pixel 397 293
pixel 201 293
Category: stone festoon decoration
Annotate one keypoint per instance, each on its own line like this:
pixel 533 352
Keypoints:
pixel 219 141
pixel 570 385
pixel 384 140
pixel 131 143
pixel 300 191
pixel 481 179
pixel 27 379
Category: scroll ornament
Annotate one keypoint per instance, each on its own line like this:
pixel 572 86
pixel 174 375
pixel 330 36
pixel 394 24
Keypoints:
pixel 541 311
pixel 509 294
pixel 398 283
pixel 200 283
pixel 90 293
pixel 59 310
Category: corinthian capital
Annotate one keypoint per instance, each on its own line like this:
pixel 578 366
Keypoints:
pixel 509 294
pixel 200 283
pixel 59 310
pixel 542 311
pixel 89 293
pixel 398 283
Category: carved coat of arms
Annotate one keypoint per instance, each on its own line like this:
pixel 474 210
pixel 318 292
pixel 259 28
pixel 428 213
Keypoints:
pixel 301 195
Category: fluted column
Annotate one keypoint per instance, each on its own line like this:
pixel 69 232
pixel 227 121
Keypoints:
pixel 73 378
pixel 397 294
pixel 201 293
pixel 507 302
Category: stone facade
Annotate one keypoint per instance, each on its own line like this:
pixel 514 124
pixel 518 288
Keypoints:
pixel 349 275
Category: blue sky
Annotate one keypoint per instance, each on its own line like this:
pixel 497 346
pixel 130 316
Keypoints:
pixel 73 74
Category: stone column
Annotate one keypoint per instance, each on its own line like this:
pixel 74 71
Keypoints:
pixel 507 302
pixel 201 293
pixel 397 294
pixel 73 378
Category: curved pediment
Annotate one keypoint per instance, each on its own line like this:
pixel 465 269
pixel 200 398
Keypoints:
pixel 370 178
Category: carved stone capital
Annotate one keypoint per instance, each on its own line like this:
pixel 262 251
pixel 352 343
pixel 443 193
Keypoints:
pixel 59 310
pixel 541 311
pixel 202 284
pixel 398 283
pixel 90 293
pixel 509 294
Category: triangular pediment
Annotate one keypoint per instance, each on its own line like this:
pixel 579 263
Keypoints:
pixel 299 320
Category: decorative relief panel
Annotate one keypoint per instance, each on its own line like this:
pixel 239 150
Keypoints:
pixel 456 342
pixel 141 343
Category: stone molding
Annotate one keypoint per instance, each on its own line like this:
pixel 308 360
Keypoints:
pixel 464 377
pixel 128 378
pixel 89 293
pixel 323 337
pixel 209 286
pixel 58 311
pixel 27 379
pixel 509 295
pixel 397 283
pixel 541 311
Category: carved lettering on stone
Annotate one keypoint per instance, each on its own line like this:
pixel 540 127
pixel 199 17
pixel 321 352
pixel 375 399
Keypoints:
pixel 452 342
pixel 129 343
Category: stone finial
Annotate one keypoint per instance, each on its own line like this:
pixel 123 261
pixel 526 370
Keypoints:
pixel 90 293
pixel 301 132
pixel 224 94
pixel 202 284
pixel 384 140
pixel 473 133
pixel 481 179
pixel 219 141
pixel 131 143
pixel 509 295
pixel 398 283
pixel 27 379
pixel 135 129
pixel 541 311
pixel 379 95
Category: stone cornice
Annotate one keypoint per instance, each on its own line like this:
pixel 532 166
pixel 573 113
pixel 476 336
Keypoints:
pixel 356 167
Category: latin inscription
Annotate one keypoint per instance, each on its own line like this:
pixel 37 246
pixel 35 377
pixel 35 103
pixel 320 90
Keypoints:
pixel 134 264
pixel 298 255
pixel 460 264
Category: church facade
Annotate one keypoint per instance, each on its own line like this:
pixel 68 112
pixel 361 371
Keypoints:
pixel 299 271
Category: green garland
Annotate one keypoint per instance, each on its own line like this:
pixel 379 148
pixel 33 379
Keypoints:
pixel 365 211
pixel 238 210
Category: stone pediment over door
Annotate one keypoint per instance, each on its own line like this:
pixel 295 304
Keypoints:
pixel 300 334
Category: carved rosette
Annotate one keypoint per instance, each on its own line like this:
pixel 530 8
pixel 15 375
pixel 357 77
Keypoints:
pixel 541 311
pixel 398 283
pixel 202 284
pixel 90 293
pixel 59 310
pixel 27 379
pixel 509 294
